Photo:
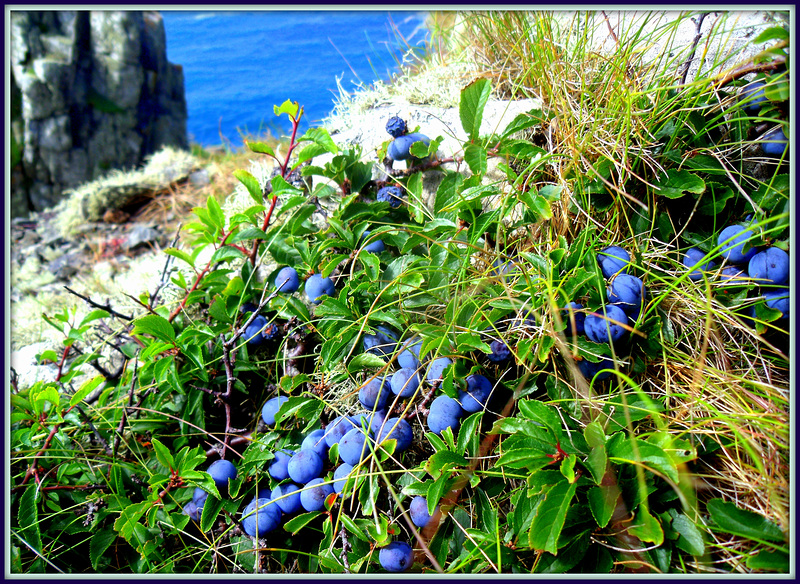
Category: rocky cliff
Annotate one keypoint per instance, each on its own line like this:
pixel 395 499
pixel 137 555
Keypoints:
pixel 91 91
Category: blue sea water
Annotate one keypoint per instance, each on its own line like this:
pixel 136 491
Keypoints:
pixel 237 65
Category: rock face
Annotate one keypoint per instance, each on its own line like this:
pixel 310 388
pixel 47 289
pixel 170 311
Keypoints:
pixel 91 91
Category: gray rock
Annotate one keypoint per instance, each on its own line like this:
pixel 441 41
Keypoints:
pixel 141 235
pixel 92 91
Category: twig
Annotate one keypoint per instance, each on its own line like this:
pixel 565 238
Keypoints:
pixel 125 411
pixel 105 307
pixel 610 29
pixel 698 36
pixel 167 265
pixel 753 67
pixel 345 548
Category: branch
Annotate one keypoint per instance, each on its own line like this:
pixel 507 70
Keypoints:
pixel 687 63
pixel 105 307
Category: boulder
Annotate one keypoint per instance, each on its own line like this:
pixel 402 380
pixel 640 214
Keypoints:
pixel 91 91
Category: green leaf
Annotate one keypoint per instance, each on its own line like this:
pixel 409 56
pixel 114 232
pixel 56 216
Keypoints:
pixel 156 326
pixel 475 156
pixel 247 234
pixel 163 455
pixel 638 451
pixel 775 33
pixel 602 502
pixel 101 541
pixel 215 212
pixel 691 539
pixel 28 518
pixel 729 518
pixel 442 460
pixel 551 193
pixel 261 148
pixel 550 517
pixel 448 191
pixel 596 463
pixel 251 184
pixel 777 561
pixel 86 388
pixel 594 435
pixel 211 509
pixel 541 413
pixel 129 518
pixel 354 528
pixel 468 435
pixel 646 527
pixel 180 254
pixel 678 182
pixel 567 468
pixel 523 121
pixel 227 253
pixel 436 489
pixel 288 107
pixel 365 360
pixel 473 100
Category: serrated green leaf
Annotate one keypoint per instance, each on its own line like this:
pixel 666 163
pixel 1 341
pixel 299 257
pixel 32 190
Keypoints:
pixel 215 212
pixel 602 502
pixel 448 191
pixel 156 326
pixel 163 455
pixel 677 182
pixel 691 539
pixel 365 360
pixel 776 561
pixel 594 435
pixel 85 389
pixel 567 468
pixel 638 451
pixel 100 542
pixel 596 463
pixel 729 518
pixel 28 518
pixel 475 157
pixel 211 509
pixel 354 528
pixel 227 253
pixel 774 33
pixel 436 490
pixel 646 527
pixel 543 414
pixel 128 519
pixel 473 101
pixel 251 184
pixel 522 122
pixel 444 459
pixel 288 107
pixel 247 234
pixel 468 435
pixel 180 254
pixel 261 148
pixel 550 517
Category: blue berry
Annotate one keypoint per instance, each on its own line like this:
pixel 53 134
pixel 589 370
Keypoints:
pixel 778 299
pixel 279 469
pixel 396 126
pixel 589 369
pixel 352 447
pixel 479 388
pixel 613 259
pixel 500 351
pixel 580 317
pixel 392 195
pixel 408 357
pixel 436 369
pixel 753 96
pixel 340 476
pixel 418 509
pixel 691 259
pixel 313 496
pixel 405 382
pixel 397 429
pixel 260 517
pixel 733 250
pixel 287 280
pixel 628 292
pixel 304 466
pixel 770 266
pixel 375 393
pixel 733 276
pixel 774 142
pixel 271 408
pixel 382 343
pixel 253 331
pixel 315 441
pixel 400 147
pixel 336 429
pixel 444 413
pixel 221 471
pixel 287 497
pixel 376 246
pixel 396 557
pixel 607 325
pixel 317 287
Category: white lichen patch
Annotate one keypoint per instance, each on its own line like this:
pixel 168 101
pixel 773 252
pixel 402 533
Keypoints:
pixel 90 201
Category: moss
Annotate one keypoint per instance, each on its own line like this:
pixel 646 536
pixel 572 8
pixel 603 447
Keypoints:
pixel 90 201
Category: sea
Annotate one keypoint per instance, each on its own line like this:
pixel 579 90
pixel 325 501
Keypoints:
pixel 239 64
